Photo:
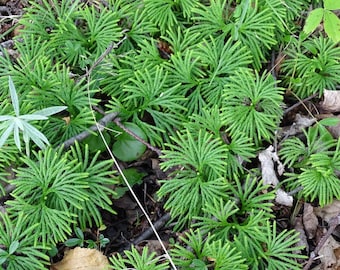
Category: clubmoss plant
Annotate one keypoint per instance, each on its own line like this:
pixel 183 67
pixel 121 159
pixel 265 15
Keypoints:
pixel 58 189
pixel 277 250
pixel 240 148
pixel 17 248
pixel 315 165
pixel 252 104
pixel 257 242
pixel 150 95
pixel 133 259
pixel 198 252
pixel 99 178
pixel 190 74
pixel 77 33
pixel 199 178
pixel 312 66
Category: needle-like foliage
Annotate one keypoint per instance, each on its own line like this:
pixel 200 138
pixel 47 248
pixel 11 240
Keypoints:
pixel 220 60
pixel 133 260
pixel 312 66
pixel 315 164
pixel 195 252
pixel 19 123
pixel 99 178
pixel 17 251
pixel 150 95
pixel 252 104
pixel 199 178
pixel 239 146
pixel 280 250
pixel 45 191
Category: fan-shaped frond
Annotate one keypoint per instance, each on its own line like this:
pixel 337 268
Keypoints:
pixel 252 104
pixel 312 66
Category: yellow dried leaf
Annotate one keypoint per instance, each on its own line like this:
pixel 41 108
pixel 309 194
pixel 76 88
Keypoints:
pixel 82 259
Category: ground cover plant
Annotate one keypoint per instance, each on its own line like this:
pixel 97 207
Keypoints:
pixel 188 96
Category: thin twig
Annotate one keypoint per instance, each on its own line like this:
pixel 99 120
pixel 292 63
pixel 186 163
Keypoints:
pixel 335 221
pixel 81 136
pixel 148 233
pixel 112 46
pixel 134 135
pixel 299 103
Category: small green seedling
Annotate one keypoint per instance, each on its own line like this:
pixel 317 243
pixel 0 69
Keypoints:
pixel 19 123
pixel 331 21
pixel 80 240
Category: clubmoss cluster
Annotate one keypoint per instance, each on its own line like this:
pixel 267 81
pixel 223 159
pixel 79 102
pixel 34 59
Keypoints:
pixel 192 75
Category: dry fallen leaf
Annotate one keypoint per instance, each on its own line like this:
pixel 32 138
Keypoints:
pixel 300 123
pixel 267 159
pixel 130 207
pixel 283 198
pixel 82 259
pixel 327 255
pixel 153 246
pixel 298 226
pixel 331 101
pixel 310 221
pixel 329 211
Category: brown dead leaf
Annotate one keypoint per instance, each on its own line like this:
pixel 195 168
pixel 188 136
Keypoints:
pixel 298 226
pixel 82 259
pixel 329 211
pixel 301 122
pixel 153 246
pixel 327 255
pixel 130 207
pixel 331 101
pixel 310 221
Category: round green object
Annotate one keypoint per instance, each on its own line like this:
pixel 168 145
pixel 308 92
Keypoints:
pixel 126 147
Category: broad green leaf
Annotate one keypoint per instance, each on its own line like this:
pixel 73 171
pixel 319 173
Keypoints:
pixel 13 247
pixel 14 96
pixel 127 148
pixel 331 121
pixel 313 20
pixel 72 242
pixel 95 142
pixel 331 4
pixel 79 233
pixel 133 176
pixel 50 110
pixel 332 25
pixel 198 264
pixel 53 251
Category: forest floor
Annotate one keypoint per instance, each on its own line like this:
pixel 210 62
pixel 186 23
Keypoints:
pixel 318 230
